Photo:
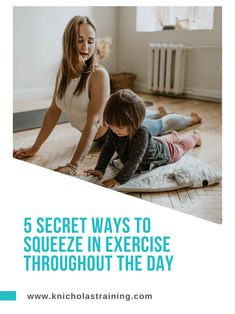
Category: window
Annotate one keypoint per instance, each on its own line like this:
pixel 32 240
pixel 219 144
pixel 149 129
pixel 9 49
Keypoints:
pixel 151 19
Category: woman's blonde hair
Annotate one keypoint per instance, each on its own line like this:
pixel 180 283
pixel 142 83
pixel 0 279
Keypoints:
pixel 72 62
pixel 125 109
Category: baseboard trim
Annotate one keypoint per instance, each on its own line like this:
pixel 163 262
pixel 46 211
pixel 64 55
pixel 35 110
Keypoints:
pixel 31 105
pixel 22 95
pixel 206 93
pixel 189 92
pixel 40 98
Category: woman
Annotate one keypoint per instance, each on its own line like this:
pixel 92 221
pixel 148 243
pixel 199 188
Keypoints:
pixel 82 90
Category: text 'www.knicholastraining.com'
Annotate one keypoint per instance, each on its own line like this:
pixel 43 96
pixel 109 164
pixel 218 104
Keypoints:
pixel 89 296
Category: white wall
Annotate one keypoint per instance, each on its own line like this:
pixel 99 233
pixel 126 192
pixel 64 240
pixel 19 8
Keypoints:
pixel 37 43
pixel 38 40
pixel 203 66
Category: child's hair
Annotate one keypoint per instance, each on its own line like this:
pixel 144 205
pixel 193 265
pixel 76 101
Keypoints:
pixel 125 109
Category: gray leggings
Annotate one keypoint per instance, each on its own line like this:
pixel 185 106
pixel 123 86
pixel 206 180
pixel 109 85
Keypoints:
pixel 171 121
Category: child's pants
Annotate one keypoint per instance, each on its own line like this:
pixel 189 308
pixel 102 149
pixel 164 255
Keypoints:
pixel 178 147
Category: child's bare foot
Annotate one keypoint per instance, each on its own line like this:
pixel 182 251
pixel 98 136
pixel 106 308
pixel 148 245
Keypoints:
pixel 195 118
pixel 162 111
pixel 176 135
pixel 199 141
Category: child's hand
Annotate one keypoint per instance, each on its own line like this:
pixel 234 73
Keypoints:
pixel 96 173
pixel 109 183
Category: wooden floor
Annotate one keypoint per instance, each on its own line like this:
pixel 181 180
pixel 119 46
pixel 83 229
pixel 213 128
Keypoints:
pixel 205 203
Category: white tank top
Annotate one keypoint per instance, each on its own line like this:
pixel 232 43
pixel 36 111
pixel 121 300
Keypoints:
pixel 75 107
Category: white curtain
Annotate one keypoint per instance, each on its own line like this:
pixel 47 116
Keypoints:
pixel 157 18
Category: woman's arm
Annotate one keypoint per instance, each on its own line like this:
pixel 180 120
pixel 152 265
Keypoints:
pixel 99 94
pixel 50 120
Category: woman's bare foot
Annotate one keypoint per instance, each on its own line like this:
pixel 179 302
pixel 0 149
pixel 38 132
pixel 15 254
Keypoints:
pixel 162 111
pixel 195 118
pixel 199 141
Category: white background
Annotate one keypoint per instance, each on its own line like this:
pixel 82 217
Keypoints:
pixel 203 251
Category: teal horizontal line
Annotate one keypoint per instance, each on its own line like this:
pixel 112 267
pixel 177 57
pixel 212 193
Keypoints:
pixel 7 295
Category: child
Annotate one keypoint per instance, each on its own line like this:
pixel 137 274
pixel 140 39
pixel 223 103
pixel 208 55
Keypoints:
pixel 137 149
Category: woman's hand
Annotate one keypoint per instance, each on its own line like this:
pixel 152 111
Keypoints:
pixel 96 173
pixel 110 183
pixel 22 153
pixel 68 169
